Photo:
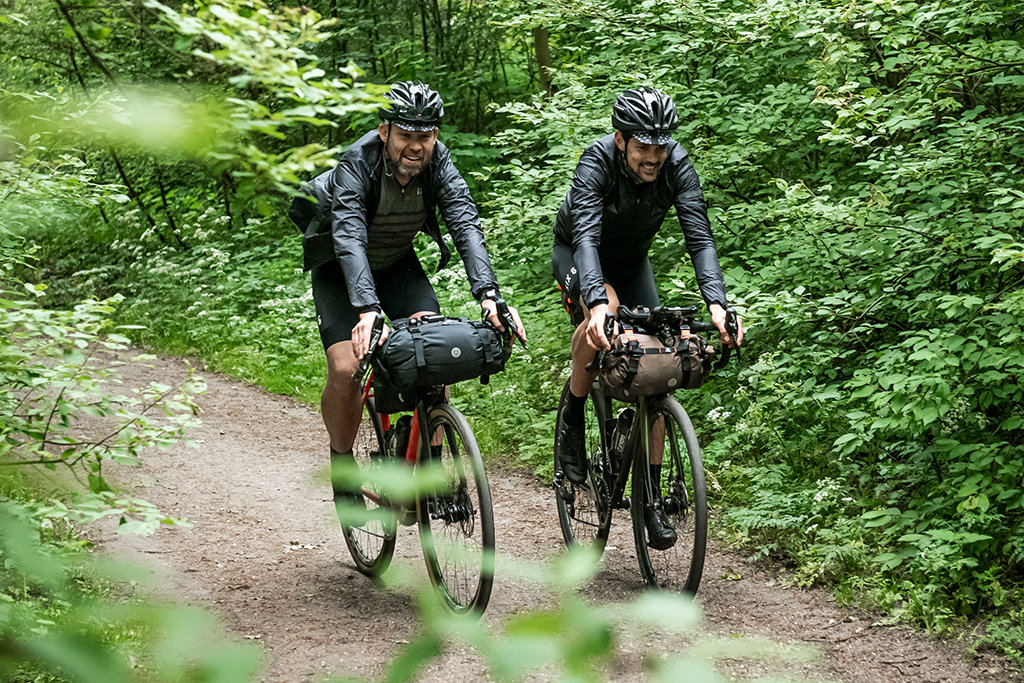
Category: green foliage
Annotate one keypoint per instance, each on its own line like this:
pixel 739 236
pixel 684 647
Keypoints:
pixel 276 83
pixel 570 638
pixel 56 622
pixel 58 370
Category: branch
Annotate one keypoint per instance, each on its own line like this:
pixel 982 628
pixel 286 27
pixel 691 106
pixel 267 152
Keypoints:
pixel 62 67
pixel 177 54
pixel 85 46
pixel 961 52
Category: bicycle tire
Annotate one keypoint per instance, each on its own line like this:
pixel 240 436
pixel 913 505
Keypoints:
pixel 370 536
pixel 456 520
pixel 584 511
pixel 682 497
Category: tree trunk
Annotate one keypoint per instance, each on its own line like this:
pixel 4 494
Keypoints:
pixel 542 50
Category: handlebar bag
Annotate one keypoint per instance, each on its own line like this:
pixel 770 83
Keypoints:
pixel 641 365
pixel 436 350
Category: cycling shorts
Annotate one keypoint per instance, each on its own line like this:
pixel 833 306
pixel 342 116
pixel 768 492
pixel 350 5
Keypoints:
pixel 633 282
pixel 402 289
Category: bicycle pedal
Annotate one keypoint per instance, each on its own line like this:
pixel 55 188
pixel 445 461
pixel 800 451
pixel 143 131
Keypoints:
pixel 563 491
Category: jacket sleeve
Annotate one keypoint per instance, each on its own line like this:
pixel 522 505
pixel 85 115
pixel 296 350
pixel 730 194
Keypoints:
pixel 348 229
pixel 700 241
pixel 463 222
pixel 585 203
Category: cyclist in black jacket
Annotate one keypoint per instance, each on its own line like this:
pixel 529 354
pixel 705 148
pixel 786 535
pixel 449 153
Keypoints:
pixel 359 222
pixel 623 187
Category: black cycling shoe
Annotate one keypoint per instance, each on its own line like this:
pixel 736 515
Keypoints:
pixel 660 534
pixel 350 499
pixel 572 456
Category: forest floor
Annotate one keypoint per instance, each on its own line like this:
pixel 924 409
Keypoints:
pixel 265 552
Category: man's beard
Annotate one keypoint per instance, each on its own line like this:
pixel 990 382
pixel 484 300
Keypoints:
pixel 407 169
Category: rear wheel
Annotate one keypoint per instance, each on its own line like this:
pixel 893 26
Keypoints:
pixel 584 510
pixel 455 516
pixel 369 529
pixel 679 498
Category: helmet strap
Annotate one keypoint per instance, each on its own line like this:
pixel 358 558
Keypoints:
pixel 389 169
pixel 630 173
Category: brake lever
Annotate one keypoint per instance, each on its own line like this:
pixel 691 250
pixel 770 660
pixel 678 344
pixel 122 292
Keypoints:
pixel 511 326
pixel 609 330
pixel 732 326
pixel 375 334
pixel 510 322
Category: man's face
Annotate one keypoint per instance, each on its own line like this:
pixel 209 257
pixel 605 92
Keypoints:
pixel 645 160
pixel 409 151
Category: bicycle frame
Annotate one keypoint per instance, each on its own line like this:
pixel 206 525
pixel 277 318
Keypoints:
pixel 667 502
pixel 411 449
pixel 637 438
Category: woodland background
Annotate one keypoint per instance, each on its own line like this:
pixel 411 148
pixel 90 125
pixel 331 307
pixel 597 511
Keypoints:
pixel 862 163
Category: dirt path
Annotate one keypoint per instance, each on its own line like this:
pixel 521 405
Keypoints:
pixel 265 552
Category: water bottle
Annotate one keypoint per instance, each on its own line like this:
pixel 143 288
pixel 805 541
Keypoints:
pixel 620 432
pixel 396 439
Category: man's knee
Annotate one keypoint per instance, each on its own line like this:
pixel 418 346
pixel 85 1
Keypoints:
pixel 341 366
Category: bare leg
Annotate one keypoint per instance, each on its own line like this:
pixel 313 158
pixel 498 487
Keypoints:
pixel 581 379
pixel 657 451
pixel 339 402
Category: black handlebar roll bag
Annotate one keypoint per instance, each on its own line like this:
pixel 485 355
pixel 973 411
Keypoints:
pixel 436 350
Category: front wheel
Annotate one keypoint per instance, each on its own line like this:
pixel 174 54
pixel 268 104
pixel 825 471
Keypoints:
pixel 678 499
pixel 369 529
pixel 456 520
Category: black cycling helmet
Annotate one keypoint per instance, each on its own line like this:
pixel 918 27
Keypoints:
pixel 414 106
pixel 646 114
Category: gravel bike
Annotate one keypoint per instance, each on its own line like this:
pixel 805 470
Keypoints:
pixel 619 449
pixel 455 517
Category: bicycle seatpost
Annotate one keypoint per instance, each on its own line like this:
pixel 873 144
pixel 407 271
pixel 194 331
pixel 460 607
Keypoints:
pixel 375 333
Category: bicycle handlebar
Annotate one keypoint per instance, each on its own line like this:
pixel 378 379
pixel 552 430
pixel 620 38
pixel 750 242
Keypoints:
pixel 665 321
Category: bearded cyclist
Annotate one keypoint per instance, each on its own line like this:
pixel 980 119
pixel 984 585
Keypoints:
pixel 359 222
pixel 622 189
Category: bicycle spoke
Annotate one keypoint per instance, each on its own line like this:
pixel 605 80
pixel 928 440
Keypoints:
pixel 678 499
pixel 369 528
pixel 584 512
pixel 456 520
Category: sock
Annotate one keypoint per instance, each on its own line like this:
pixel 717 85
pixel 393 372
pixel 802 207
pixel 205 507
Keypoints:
pixel 573 413
pixel 341 463
pixel 655 473
pixel 435 451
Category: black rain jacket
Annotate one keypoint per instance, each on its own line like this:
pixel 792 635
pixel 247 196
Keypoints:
pixel 344 202
pixel 609 220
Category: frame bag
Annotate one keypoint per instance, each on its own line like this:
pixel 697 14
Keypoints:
pixel 435 350
pixel 641 365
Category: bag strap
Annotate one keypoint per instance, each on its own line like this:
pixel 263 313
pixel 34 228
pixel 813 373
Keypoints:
pixel 488 350
pixel 684 352
pixel 417 340
pixel 633 365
